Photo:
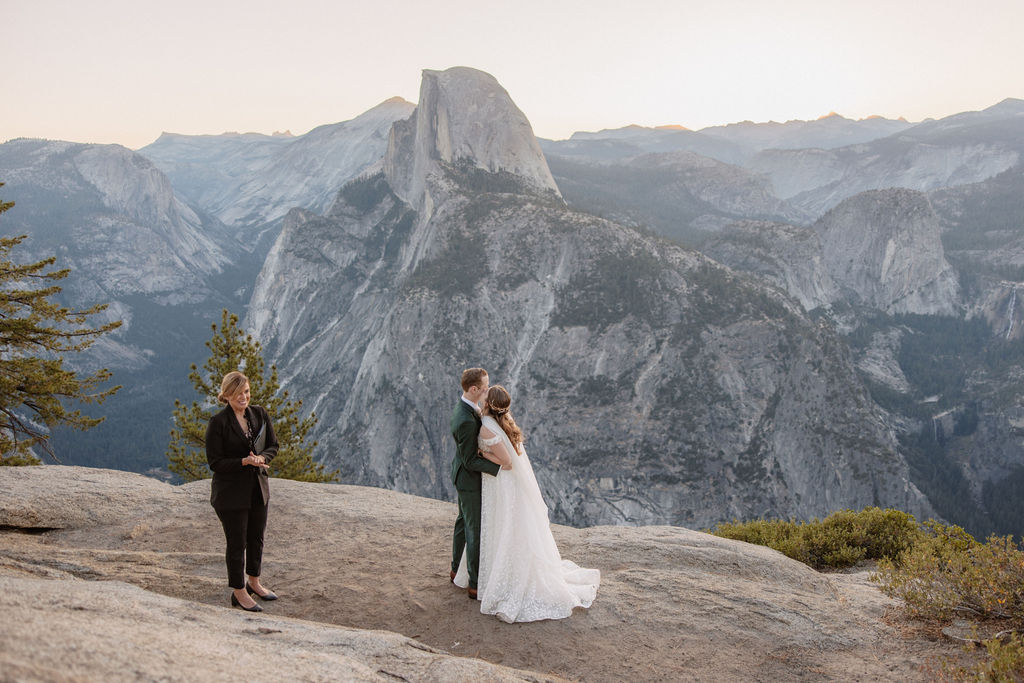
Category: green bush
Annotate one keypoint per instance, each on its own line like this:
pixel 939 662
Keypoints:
pixel 935 570
pixel 949 571
pixel 1004 663
pixel 842 539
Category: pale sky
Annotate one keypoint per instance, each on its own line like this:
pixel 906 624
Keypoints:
pixel 124 70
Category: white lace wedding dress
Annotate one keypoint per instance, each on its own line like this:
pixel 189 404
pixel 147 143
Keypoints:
pixel 522 576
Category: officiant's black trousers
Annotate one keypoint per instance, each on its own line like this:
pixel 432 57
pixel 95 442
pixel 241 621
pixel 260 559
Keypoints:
pixel 243 530
pixel 467 534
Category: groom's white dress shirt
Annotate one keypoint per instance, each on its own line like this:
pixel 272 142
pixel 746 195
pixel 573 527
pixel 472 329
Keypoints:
pixel 475 407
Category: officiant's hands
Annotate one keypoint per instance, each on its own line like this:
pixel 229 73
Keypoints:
pixel 255 460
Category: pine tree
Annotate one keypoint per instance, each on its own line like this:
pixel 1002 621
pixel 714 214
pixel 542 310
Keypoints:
pixel 231 348
pixel 35 332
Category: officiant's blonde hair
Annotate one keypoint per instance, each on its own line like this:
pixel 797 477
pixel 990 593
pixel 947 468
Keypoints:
pixel 231 385
pixel 497 405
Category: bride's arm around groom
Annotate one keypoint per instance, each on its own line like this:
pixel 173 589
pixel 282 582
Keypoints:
pixel 493 448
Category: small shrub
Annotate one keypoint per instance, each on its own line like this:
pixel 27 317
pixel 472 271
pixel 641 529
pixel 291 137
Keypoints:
pixel 935 570
pixel 1006 661
pixel 774 533
pixel 949 571
pixel 842 539
pixel 1004 664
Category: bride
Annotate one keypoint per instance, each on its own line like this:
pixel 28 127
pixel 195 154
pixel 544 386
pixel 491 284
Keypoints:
pixel 522 576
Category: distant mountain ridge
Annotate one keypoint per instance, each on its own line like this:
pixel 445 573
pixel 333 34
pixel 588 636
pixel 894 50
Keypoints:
pixel 959 150
pixel 814 165
pixel 252 179
pixel 746 138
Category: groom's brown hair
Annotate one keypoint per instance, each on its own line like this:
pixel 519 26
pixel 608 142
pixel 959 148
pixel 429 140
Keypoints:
pixel 472 377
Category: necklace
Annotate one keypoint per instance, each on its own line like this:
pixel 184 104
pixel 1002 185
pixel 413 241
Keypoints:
pixel 243 422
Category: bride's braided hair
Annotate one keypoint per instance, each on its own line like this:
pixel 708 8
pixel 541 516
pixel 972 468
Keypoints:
pixel 498 402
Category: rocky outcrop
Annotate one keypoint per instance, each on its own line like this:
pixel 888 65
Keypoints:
pixel 786 255
pixel 111 576
pixel 982 221
pixel 130 634
pixel 879 363
pixel 881 250
pixel 249 180
pixel 655 385
pixel 463 116
pixel 983 234
pixel 884 250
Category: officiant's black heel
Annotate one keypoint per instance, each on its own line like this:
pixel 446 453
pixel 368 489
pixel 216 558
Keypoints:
pixel 235 603
pixel 271 595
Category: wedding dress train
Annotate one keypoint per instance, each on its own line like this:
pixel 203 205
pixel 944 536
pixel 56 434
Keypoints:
pixel 522 575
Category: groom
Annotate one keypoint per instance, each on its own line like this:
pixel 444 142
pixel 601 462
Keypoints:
pixel 466 468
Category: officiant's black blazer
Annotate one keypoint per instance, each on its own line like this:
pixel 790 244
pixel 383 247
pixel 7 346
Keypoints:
pixel 226 445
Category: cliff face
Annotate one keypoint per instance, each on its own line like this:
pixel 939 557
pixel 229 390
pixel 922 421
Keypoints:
pixel 654 384
pixel 335 289
pixel 786 255
pixel 463 115
pixel 884 249
pixel 983 235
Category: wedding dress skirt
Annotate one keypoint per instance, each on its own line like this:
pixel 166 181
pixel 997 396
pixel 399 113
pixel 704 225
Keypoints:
pixel 522 575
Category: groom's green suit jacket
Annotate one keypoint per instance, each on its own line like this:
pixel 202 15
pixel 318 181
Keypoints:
pixel 468 464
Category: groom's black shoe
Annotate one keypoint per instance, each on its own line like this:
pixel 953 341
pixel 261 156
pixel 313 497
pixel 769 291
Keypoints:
pixel 453 577
pixel 471 592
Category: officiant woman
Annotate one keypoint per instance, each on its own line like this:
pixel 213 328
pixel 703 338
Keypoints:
pixel 240 442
